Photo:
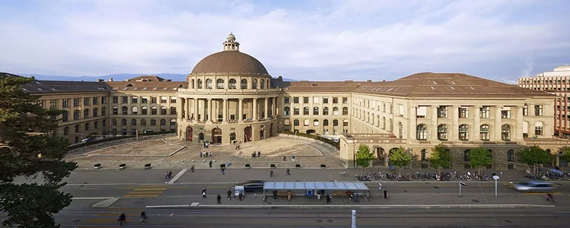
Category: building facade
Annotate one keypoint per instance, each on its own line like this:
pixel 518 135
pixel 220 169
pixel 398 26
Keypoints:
pixel 556 82
pixel 229 97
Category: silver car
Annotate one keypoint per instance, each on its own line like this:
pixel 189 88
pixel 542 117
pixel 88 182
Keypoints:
pixel 535 186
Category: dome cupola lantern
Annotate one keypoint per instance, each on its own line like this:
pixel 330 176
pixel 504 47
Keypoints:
pixel 231 44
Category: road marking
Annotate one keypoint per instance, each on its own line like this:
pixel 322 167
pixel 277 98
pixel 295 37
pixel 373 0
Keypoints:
pixel 136 215
pixel 139 196
pixel 149 189
pixel 146 191
pixel 178 187
pixel 541 193
pixel 89 188
pixel 177 176
pixel 91 198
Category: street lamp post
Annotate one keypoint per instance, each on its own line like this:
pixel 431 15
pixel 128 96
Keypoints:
pixel 496 179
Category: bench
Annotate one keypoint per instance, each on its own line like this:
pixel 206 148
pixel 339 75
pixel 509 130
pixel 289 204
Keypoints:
pixel 97 166
pixel 122 166
pixel 147 166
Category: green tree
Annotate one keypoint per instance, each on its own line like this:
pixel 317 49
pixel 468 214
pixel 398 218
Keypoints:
pixel 400 158
pixel 29 148
pixel 440 157
pixel 565 153
pixel 364 156
pixel 534 156
pixel 479 157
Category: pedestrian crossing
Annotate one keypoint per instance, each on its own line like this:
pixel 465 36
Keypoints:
pixel 146 191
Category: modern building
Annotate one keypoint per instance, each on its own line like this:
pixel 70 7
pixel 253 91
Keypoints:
pixel 556 82
pixel 230 97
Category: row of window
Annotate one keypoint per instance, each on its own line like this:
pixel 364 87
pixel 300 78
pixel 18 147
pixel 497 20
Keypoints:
pixel 220 84
pixel 316 100
pixel 316 123
pixel 484 112
pixel 144 110
pixel 306 111
pixel 142 122
pixel 463 130
pixel 143 100
pixel 86 127
pixel 65 103
pixel 86 113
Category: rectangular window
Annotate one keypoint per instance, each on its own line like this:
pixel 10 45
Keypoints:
pixel 173 100
pixel 538 110
pixel 125 99
pixel 153 100
pixel 65 103
pixel 421 112
pixel 86 101
pixel 103 100
pixel 296 111
pixel 286 100
pixel 345 100
pixel 305 100
pixel 144 100
pixel 115 99
pixel 538 130
pixel 163 100
pixel 134 100
pixel 485 112
pixel 442 112
pixel 296 100
pixel 506 113
pixel 95 101
pixel 325 100
pixel 76 102
pixel 335 100
pixel 464 112
pixel 53 104
pixel 401 110
pixel 316 100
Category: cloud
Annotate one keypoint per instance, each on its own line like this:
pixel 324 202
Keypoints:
pixel 318 40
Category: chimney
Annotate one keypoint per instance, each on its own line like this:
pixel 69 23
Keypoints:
pixel 110 79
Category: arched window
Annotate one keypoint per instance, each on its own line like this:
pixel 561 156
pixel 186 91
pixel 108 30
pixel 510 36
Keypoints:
pixel 254 83
pixel 66 131
pixel 163 110
pixel 243 84
pixel 143 122
pixel 262 84
pixel 315 122
pixel 152 122
pixel 345 123
pixel 335 122
pixel 208 83
pixel 144 111
pixel 463 132
pixel 96 124
pixel 76 115
pixel 295 122
pixel 424 155
pixel 506 132
pixel 335 111
pixel 124 122
pixel 306 122
pixel 421 132
pixel 305 110
pixel 173 110
pixel 134 110
pixel 296 111
pixel 538 128
pixel 383 123
pixel 133 122
pixel 466 155
pixel 484 131
pixel 200 84
pixel 115 110
pixel 511 155
pixel 65 116
pixel 124 110
pixel 442 132
pixel 153 110
pixel 114 122
pixel 220 83
pixel 232 84
pixel 325 122
pixel 104 111
pixel 95 112
pixel 162 122
pixel 325 111
pixel 286 111
pixel 316 111
pixel 76 128
pixel 192 84
pixel 345 111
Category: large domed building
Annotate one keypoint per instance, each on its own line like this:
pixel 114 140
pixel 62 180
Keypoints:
pixel 229 99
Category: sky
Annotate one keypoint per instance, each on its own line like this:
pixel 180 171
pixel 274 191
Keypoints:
pixel 297 39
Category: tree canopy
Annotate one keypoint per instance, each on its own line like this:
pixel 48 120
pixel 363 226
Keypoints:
pixel 364 156
pixel 440 157
pixel 400 158
pixel 479 157
pixel 565 153
pixel 30 148
pixel 534 155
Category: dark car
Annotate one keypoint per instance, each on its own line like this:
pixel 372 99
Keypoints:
pixel 253 186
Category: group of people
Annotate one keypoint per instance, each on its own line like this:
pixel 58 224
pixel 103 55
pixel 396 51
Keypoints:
pixel 205 154
pixel 123 218
pixel 287 172
pixel 168 176
pixel 256 154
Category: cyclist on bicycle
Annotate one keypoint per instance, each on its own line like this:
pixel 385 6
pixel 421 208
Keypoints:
pixel 143 216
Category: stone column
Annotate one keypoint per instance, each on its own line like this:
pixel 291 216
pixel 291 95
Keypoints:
pixel 254 116
pixel 476 123
pixel 497 128
pixel 209 110
pixel 455 123
pixel 433 127
pixel 195 103
pixel 225 110
pixel 240 110
pixel 266 108
pixel 517 132
pixel 413 123
pixel 179 108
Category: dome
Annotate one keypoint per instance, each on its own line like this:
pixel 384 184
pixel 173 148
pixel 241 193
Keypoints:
pixel 229 61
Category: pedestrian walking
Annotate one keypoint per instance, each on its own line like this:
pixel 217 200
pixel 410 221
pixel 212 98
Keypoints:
pixel 258 153
pixel 293 157
pixel 122 219
pixel 143 217
pixel 169 175
pixel 201 154
pixel 229 194
pixel 192 168
pixel 211 154
pixel 385 194
pixel 204 193
pixel 328 198
pixel 284 158
pixel 210 163
pixel 274 194
pixel 219 199
pixel 271 173
pixel 166 176
pixel 550 197
pixel 288 171
pixel 223 170
pixel 379 185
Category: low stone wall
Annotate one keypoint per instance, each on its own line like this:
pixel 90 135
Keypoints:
pixel 120 141
pixel 310 139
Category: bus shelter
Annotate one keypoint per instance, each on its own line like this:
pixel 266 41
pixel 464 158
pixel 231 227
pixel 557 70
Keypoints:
pixel 313 188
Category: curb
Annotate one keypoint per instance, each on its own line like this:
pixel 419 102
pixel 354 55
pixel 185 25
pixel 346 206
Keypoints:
pixel 312 207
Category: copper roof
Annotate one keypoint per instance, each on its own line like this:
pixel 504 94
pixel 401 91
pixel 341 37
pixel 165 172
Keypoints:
pixel 230 62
